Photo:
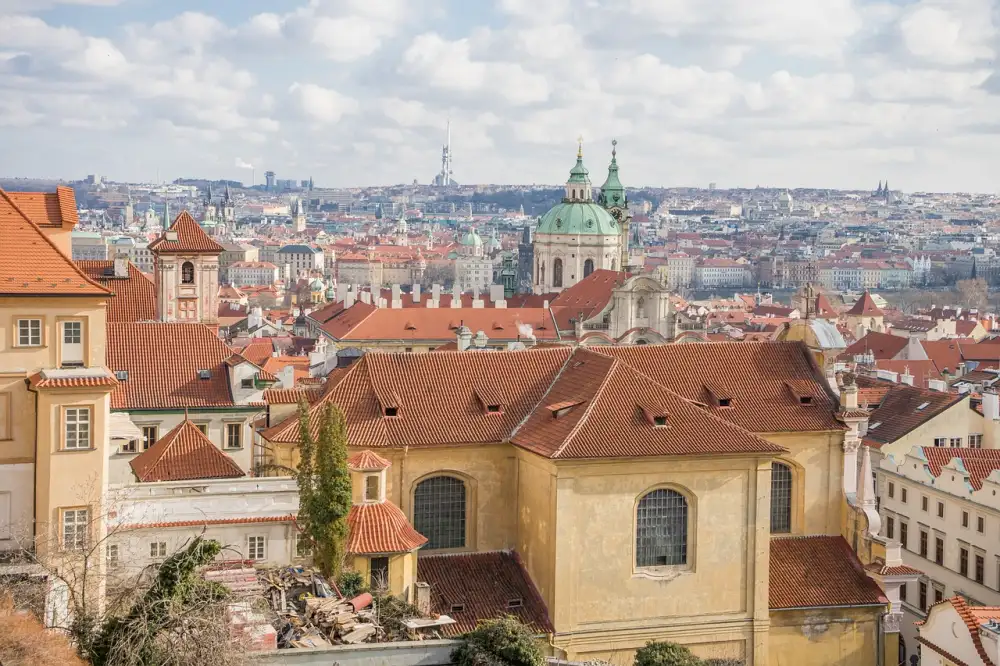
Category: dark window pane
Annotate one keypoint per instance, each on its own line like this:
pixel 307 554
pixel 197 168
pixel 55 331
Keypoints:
pixel 661 529
pixel 439 512
pixel 781 498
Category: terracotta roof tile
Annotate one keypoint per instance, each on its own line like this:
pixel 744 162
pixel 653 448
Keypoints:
pixel 191 239
pixel 973 616
pixel 258 350
pixel 183 454
pixel 473 587
pixel 31 264
pixel 40 381
pixel 865 306
pixel 247 520
pixel 134 296
pixel 163 360
pixel 754 374
pixel 380 527
pixel 881 345
pixel 946 354
pixel 904 408
pixel 588 297
pixel 49 209
pixel 367 461
pixel 979 463
pixel 291 396
pixel 809 572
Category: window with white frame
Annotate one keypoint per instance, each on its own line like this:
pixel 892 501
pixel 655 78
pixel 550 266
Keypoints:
pixel 157 549
pixel 234 435
pixel 976 441
pixel 29 332
pixel 75 523
pixel 150 434
pixel 77 428
pixel 256 547
pixel 112 556
pixel 956 442
pixel 940 441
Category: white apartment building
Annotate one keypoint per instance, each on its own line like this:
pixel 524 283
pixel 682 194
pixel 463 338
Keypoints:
pixel 301 260
pixel 137 250
pixel 942 505
pixel 89 246
pixel 712 273
pixel 678 271
pixel 253 273
pixel 233 253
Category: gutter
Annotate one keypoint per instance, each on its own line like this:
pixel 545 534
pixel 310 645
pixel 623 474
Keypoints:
pixel 34 471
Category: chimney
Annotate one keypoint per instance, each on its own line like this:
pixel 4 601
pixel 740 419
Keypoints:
pixel 397 297
pixel 436 292
pixel 578 327
pixel 423 600
pixel 991 406
pixel 366 297
pixel 415 293
pixel 464 335
pixel 849 396
pixel 937 385
pixel 121 265
pixel 480 340
pixel 496 293
pixel 349 298
pixel 545 304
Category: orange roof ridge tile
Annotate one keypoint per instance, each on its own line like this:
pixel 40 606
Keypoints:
pixel 191 238
pixel 184 453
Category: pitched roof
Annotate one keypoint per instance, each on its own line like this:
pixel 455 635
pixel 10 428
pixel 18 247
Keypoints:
pixel 588 297
pixel 946 354
pixel 380 527
pixel 473 587
pixel 753 374
pixel 600 407
pixel 809 572
pixel 183 454
pixel 365 461
pixel 881 345
pixel 291 396
pixel 258 350
pixel 903 408
pixel 979 463
pixel 49 209
pixel 191 238
pixel 865 306
pixel 163 361
pixel 922 371
pixel 972 617
pixel 31 264
pixel 134 296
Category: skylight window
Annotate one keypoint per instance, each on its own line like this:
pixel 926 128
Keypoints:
pixel 805 400
pixel 725 402
pixel 121 375
pixel 493 409
pixel 204 374
pixel 660 421
pixel 515 603
pixel 923 406
pixel 874 425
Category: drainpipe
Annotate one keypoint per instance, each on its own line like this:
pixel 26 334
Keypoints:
pixel 34 470
pixel 880 639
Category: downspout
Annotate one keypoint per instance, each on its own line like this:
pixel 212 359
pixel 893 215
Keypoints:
pixel 34 471
pixel 880 639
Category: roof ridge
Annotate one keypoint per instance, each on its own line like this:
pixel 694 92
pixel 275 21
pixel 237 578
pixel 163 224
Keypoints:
pixel 541 399
pixel 590 403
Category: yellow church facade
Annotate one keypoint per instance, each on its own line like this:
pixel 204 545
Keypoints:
pixel 693 493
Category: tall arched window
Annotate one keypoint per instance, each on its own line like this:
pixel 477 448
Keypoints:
pixel 612 264
pixel 661 525
pixel 640 308
pixel 541 274
pixel 781 498
pixel 588 267
pixel 574 194
pixel 439 511
pixel 557 273
pixel 187 272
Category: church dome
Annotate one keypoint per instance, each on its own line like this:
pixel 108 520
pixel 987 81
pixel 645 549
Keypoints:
pixel 472 239
pixel 317 285
pixel 578 217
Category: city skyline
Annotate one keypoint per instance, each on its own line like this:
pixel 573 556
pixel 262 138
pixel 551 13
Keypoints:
pixel 820 94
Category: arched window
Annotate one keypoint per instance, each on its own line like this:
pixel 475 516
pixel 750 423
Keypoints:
pixel 661 525
pixel 588 267
pixel 612 264
pixel 439 511
pixel 187 272
pixel 781 498
pixel 541 274
pixel 557 273
pixel 574 194
pixel 640 308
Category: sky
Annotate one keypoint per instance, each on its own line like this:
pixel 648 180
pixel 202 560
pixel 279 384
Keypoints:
pixel 775 93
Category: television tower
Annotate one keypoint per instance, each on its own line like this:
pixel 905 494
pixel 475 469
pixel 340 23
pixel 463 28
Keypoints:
pixel 444 178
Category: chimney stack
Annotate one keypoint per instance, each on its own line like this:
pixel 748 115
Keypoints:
pixel 991 406
pixel 121 265
pixel 423 601
pixel 849 395
pixel 906 377
pixel 415 293
pixel 397 297
pixel 464 334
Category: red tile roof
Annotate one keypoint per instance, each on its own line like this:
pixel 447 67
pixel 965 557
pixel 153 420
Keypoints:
pixel 904 408
pixel 163 360
pixel 473 587
pixel 258 350
pixel 134 296
pixel 380 527
pixel 247 520
pixel 881 346
pixel 365 461
pixel 588 297
pixel 818 571
pixel 754 374
pixel 291 396
pixel 922 371
pixel 183 454
pixel 191 239
pixel 979 463
pixel 865 306
pixel 49 209
pixel 31 264
pixel 40 381
pixel 613 411
pixel 946 354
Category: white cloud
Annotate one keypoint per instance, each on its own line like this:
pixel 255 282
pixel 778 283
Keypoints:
pixel 949 34
pixel 321 105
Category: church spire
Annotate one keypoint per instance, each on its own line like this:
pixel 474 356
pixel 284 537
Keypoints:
pixel 578 185
pixel 612 192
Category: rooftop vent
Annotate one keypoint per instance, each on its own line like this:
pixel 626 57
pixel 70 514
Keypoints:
pixel 391 412
pixel 204 374
pixel 457 608
pixel 515 603
pixel 121 375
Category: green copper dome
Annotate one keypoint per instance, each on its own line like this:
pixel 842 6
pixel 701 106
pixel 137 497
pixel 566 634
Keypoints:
pixel 578 218
pixel 612 191
pixel 472 238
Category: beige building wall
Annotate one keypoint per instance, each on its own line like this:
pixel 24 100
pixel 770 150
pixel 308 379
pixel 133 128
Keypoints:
pixel 958 422
pixel 817 464
pixel 838 637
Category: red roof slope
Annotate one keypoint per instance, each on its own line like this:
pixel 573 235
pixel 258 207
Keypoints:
pixel 881 345
pixel 191 239
pixel 980 463
pixel 865 306
pixel 183 454
pixel 473 587
pixel 753 375
pixel 135 296
pixel 588 297
pixel 31 264
pixel 163 360
pixel 380 527
pixel 808 572
pixel 363 322
pixel 903 408
pixel 611 410
pixel 946 354
pixel 49 209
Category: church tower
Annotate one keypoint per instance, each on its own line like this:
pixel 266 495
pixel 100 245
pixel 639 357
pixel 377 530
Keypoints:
pixel 128 215
pixel 186 272
pixel 210 217
pixel 228 207
pixel 299 217
pixel 402 238
pixel 615 201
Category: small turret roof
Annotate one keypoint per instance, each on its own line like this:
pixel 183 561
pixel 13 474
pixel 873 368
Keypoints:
pixel 579 173
pixel 612 191
pixel 866 306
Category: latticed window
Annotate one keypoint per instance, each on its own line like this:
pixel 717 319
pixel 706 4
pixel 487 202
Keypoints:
pixel 661 526
pixel 187 272
pixel 781 498
pixel 439 512
pixel 588 267
pixel 557 270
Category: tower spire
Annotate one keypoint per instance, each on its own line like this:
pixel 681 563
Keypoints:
pixel 579 149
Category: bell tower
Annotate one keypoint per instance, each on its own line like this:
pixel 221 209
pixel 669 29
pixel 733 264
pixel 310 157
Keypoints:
pixel 186 272
pixel 615 201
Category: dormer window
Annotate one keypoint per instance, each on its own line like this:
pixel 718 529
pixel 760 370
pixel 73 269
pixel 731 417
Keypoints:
pixel 515 603
pixel 725 402
pixel 457 608
pixel 121 375
pixel 805 400
pixel 561 409
pixel 373 490
pixel 494 409
pixel 660 421
pixel 204 374
pixel 390 412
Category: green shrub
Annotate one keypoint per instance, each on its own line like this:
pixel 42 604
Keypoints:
pixel 503 642
pixel 351 584
pixel 661 653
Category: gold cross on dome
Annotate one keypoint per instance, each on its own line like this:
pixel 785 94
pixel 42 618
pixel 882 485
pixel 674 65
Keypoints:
pixel 579 151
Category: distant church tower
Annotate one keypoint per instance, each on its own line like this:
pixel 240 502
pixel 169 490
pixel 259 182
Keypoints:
pixel 615 201
pixel 128 215
pixel 186 272
pixel 228 207
pixel 211 216
pixel 402 232
pixel 299 217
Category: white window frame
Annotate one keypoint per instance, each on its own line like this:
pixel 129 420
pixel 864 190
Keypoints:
pixel 81 429
pixel 157 550
pixel 238 428
pixel 112 555
pixel 75 527
pixel 256 547
pixel 26 337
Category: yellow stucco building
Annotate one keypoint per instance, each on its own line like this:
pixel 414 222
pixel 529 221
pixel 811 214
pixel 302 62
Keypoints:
pixel 693 493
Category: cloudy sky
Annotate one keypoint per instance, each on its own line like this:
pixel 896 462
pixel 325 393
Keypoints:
pixel 789 93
